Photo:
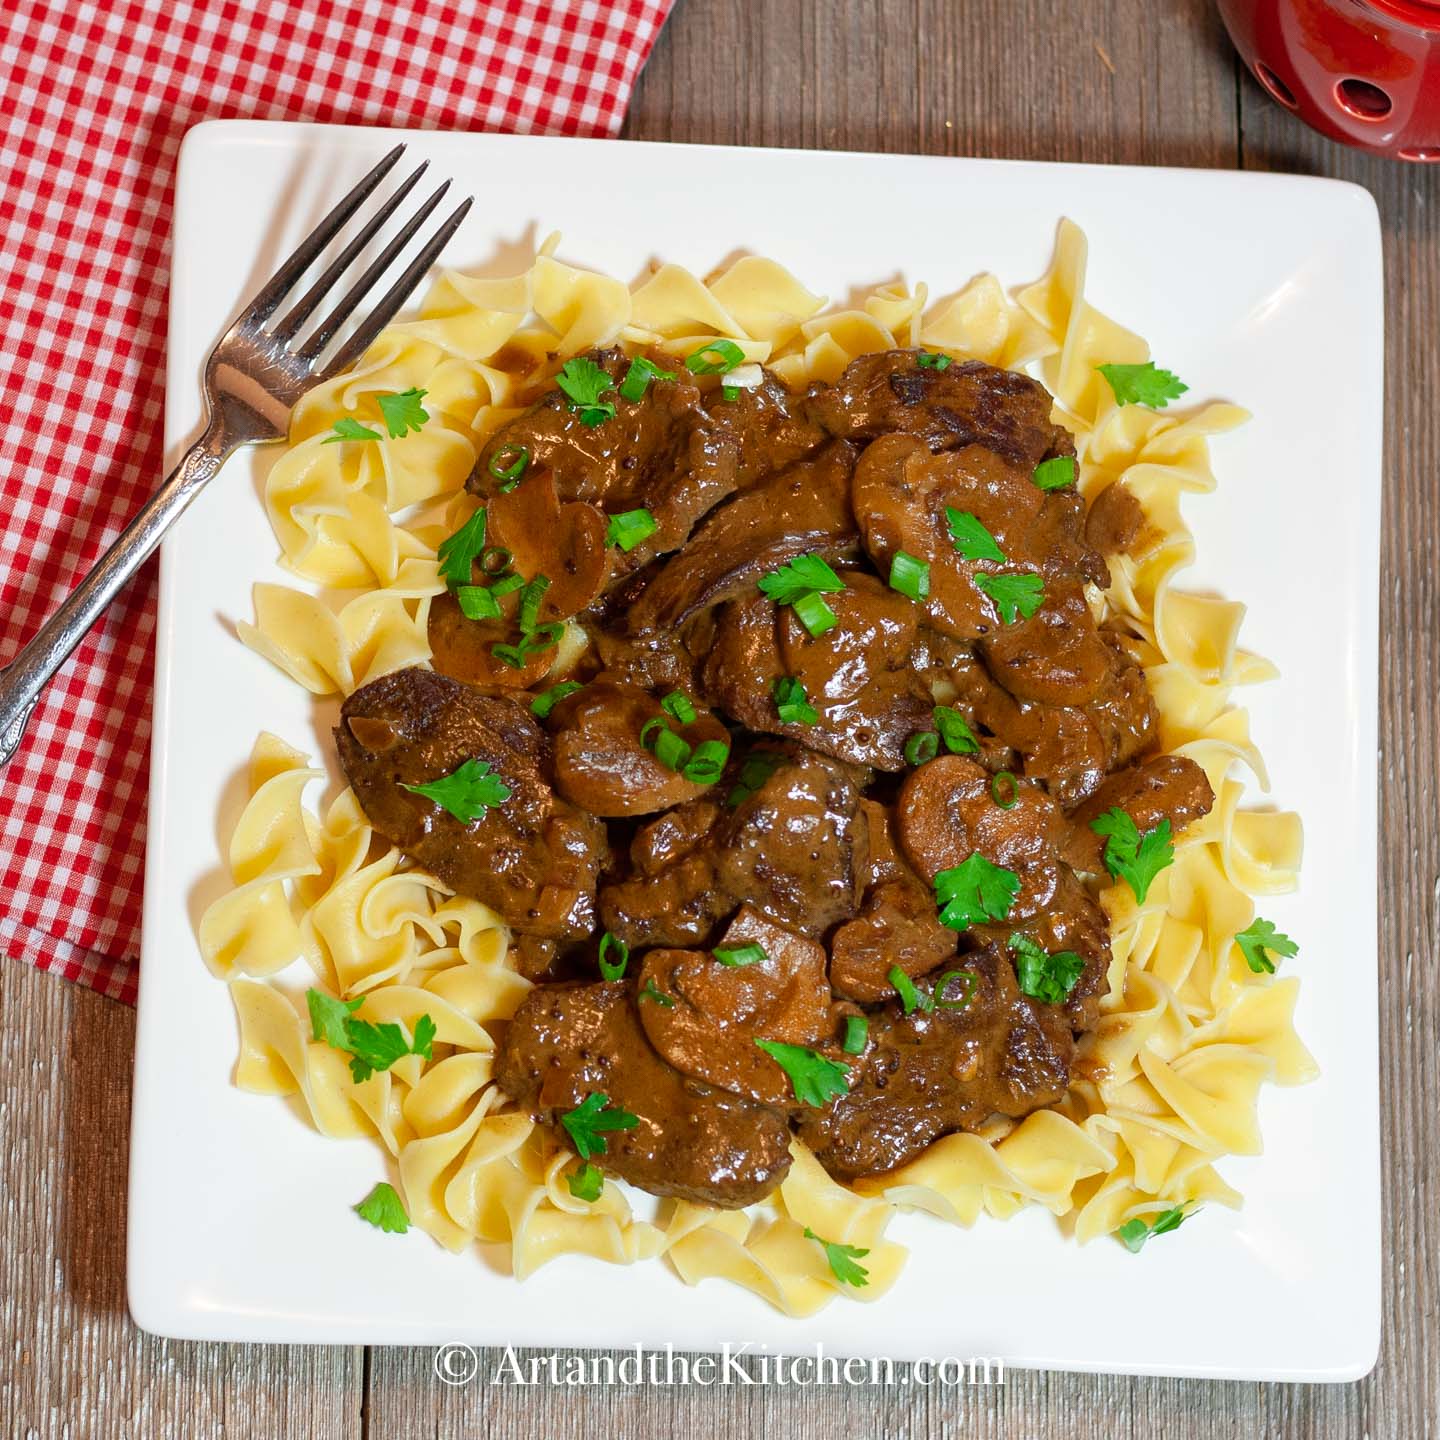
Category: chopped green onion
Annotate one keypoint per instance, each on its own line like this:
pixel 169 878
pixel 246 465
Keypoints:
pixel 922 746
pixel 755 771
pixel 1055 473
pixel 857 1032
pixel 1005 790
pixel 629 528
pixel 730 355
pixel 613 969
pixel 670 750
pixel 509 474
pixel 658 996
pixel 655 722
pixel 530 598
pixel 791 703
pixel 477 603
pixel 911 577
pixel 910 998
pixel 638 377
pixel 815 615
pixel 544 703
pixel 928 360
pixel 543 637
pixel 959 738
pixel 495 560
pixel 505 585
pixel 751 954
pixel 677 704
pixel 971 980
pixel 706 764
pixel 729 392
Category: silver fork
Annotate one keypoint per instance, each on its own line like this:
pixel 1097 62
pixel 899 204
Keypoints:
pixel 255 374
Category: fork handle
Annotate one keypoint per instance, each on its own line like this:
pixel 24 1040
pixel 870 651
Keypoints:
pixel 31 670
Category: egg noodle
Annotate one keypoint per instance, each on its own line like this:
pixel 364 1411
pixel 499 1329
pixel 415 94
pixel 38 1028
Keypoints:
pixel 1167 1082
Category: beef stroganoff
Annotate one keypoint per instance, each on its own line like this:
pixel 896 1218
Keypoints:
pixel 782 777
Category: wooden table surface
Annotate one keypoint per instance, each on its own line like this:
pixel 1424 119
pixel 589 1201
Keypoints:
pixel 1133 81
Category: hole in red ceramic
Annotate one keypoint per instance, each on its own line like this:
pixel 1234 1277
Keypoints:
pixel 1363 100
pixel 1423 154
pixel 1277 88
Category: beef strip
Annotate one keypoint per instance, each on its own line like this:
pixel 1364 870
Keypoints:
pixel 1117 524
pixel 533 858
pixel 966 403
pixel 720 1010
pixel 568 1042
pixel 1167 787
pixel 770 428
pixel 867 698
pixel 948 1068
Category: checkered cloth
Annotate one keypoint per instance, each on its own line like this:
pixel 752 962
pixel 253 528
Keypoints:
pixel 95 97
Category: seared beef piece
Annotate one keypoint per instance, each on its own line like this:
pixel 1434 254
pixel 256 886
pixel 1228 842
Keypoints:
pixel 896 927
pixel 902 494
pixel 662 452
pixel 533 858
pixel 1056 657
pixel 654 662
pixel 856 675
pixel 598 760
pixel 966 403
pixel 720 1010
pixel 770 426
pixel 1123 712
pixel 805 509
pixel 1169 787
pixel 568 1042
pixel 946 813
pixel 950 1068
pixel 787 847
pixel 1117 523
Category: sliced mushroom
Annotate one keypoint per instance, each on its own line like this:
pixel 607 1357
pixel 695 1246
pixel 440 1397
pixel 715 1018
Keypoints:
pixel 1055 657
pixel 896 928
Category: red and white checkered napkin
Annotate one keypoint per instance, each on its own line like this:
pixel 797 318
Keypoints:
pixel 95 97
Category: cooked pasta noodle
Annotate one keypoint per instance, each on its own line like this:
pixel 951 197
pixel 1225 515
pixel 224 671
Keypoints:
pixel 1168 1079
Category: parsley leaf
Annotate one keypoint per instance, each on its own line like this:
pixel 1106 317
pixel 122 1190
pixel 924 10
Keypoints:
pixel 382 1209
pixel 347 428
pixel 371 1047
pixel 1143 384
pixel 911 997
pixel 814 1079
pixel 791 702
pixel 466 793
pixel 929 360
pixel 1134 1233
pixel 1047 977
pixel 1260 937
pixel 971 538
pixel 804 575
pixel 328 1016
pixel 586 1183
pixel 583 381
pixel 975 891
pixel 403 411
pixel 1010 593
pixel 459 552
pixel 585 1124
pixel 1131 856
pixel 842 1260
pixel 1055 473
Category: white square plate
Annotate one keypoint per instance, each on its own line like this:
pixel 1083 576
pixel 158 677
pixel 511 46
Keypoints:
pixel 1264 289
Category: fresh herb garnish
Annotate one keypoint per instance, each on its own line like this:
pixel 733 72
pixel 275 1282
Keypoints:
pixel 756 769
pixel 959 738
pixel 911 998
pixel 508 464
pixel 857 1032
pixel 971 539
pixel 613 969
pixel 1134 1233
pixel 547 700
pixel 1005 790
pixel 370 1047
pixel 1131 856
pixel 1047 977
pixel 583 382
pixel 922 746
pixel 477 602
pixel 972 981
pixel 975 891
pixel 677 704
pixel 586 1183
pixel 347 428
pixel 842 1260
pixel 650 992
pixel 751 954
pixel 928 360
pixel 467 792
pixel 543 637
pixel 1011 593
pixel 728 355
pixel 803 575
pixel 729 392
pixel 459 552
pixel 815 1080
pixel 706 765
pixel 629 528
pixel 701 765
pixel 671 750
pixel 530 598
pixel 1055 473
pixel 403 411
pixel 586 1123
pixel 910 576
pixel 638 377
pixel 791 702
pixel 1143 384
pixel 382 1209
pixel 815 615
pixel 1260 937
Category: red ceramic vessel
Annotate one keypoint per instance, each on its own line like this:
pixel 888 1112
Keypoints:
pixel 1364 72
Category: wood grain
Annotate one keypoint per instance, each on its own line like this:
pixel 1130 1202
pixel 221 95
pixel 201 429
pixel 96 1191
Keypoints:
pixel 1121 81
